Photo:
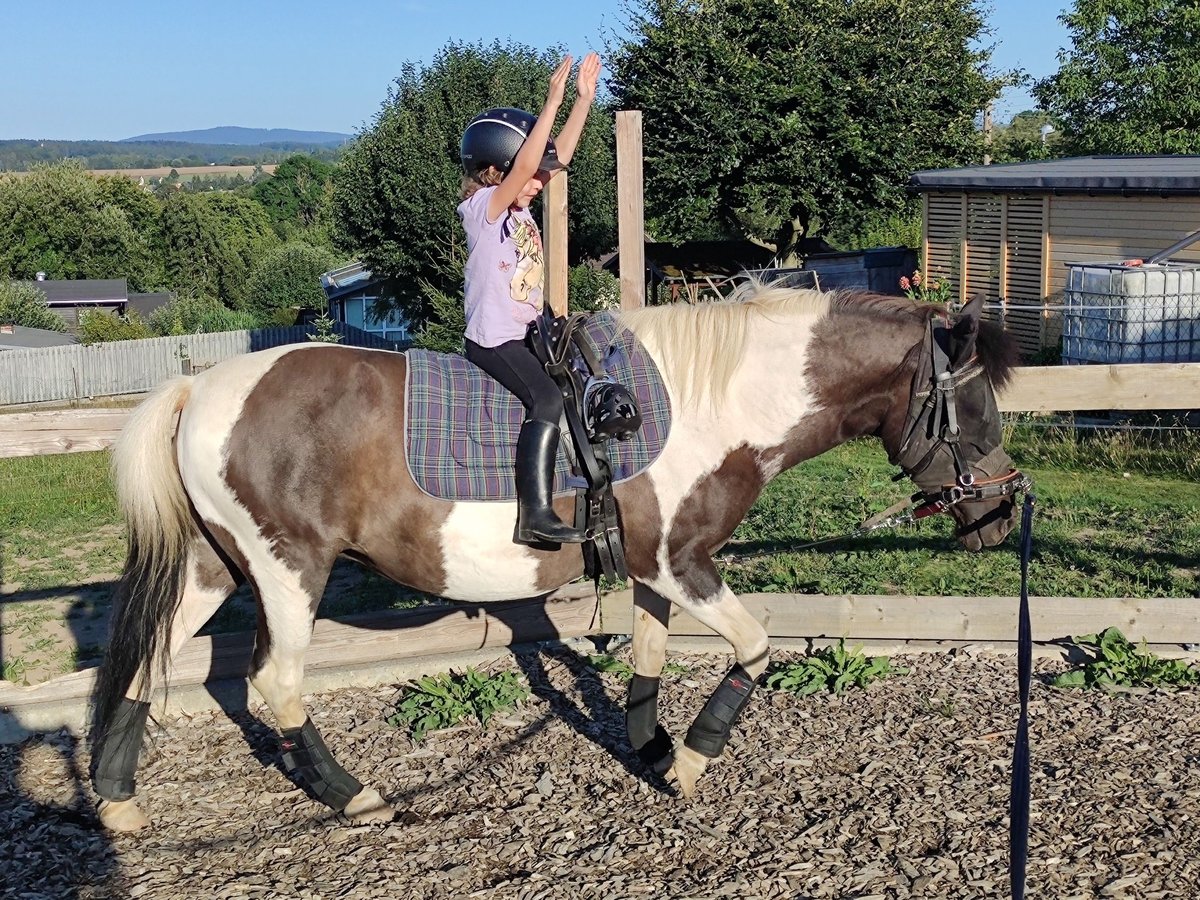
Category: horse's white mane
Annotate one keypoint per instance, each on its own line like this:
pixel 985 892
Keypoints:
pixel 700 346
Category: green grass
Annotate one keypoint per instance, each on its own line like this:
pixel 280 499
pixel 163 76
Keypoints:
pixel 1118 515
pixel 1097 532
pixel 63 491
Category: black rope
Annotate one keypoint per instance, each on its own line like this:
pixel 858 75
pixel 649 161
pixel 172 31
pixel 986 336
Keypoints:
pixel 1018 805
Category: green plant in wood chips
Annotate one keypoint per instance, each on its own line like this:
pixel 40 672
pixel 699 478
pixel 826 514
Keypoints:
pixel 1120 663
pixel 439 701
pixel 602 662
pixel 833 669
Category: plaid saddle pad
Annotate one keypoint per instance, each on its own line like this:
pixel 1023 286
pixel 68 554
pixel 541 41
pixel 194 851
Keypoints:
pixel 461 426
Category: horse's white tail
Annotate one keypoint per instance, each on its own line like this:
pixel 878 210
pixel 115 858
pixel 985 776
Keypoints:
pixel 151 494
pixel 159 523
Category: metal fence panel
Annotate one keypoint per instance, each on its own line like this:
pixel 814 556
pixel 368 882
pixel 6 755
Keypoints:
pixel 133 367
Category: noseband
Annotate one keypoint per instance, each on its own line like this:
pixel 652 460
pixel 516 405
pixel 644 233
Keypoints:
pixel 936 407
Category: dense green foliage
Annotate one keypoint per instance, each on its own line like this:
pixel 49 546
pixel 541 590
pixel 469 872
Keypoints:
pixel 69 224
pixel 188 314
pixel 297 198
pixel 1128 82
pixel 211 243
pixel 1021 139
pixel 24 304
pixel 764 118
pixel 399 185
pixel 286 278
pixel 97 326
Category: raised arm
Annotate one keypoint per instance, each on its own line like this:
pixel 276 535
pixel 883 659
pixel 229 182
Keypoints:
pixel 529 157
pixel 568 139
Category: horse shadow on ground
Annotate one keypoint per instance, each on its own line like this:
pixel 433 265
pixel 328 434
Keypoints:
pixel 599 719
pixel 52 848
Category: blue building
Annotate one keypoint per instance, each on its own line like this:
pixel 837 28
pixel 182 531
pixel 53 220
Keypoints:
pixel 357 298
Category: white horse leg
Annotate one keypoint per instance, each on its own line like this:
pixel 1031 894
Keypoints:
pixel 285 630
pixel 651 616
pixel 209 583
pixel 709 732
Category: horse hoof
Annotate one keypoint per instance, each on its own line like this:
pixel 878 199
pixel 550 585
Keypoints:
pixel 121 815
pixel 687 769
pixel 367 808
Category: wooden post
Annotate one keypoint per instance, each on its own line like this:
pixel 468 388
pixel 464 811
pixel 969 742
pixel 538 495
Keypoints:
pixel 631 221
pixel 554 228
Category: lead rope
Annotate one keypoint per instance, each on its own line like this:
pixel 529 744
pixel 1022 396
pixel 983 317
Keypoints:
pixel 1018 805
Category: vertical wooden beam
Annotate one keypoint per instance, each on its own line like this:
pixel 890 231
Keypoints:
pixel 963 249
pixel 1004 246
pixel 923 263
pixel 554 228
pixel 631 217
pixel 1047 251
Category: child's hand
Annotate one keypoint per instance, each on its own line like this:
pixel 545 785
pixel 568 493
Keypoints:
pixel 589 75
pixel 558 83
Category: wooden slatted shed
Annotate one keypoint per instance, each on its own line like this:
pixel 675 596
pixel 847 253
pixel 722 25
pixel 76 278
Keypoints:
pixel 1010 231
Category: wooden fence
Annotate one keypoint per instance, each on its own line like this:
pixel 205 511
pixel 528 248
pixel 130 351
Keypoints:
pixel 1033 389
pixel 576 611
pixel 76 372
pixel 373 638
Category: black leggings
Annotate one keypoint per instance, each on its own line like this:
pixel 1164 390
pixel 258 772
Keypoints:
pixel 514 366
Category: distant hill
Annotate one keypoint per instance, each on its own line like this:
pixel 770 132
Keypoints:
pixel 245 137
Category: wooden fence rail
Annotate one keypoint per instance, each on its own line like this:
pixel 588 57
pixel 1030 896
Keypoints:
pixel 1033 389
pixel 439 630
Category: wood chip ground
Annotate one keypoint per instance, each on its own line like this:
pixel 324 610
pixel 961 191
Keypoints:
pixel 898 792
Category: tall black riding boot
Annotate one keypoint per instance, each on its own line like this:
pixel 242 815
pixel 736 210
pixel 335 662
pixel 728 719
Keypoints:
pixel 537 522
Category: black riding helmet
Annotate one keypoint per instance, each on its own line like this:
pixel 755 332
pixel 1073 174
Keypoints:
pixel 493 138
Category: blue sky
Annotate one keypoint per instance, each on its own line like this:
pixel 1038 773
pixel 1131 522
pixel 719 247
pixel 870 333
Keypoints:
pixel 78 69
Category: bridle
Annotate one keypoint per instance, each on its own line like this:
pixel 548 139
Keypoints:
pixel 933 414
pixel 935 407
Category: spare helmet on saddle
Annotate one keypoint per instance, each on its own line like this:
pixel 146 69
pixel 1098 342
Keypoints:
pixel 596 406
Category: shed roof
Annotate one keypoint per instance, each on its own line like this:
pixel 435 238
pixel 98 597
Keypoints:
pixel 17 337
pixel 1156 175
pixel 79 291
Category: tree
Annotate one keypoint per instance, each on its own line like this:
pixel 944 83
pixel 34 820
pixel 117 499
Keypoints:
pixel 212 242
pixel 24 304
pixel 397 190
pixel 288 277
pixel 764 119
pixel 297 198
pixel 1128 83
pixel 67 223
pixel 1021 139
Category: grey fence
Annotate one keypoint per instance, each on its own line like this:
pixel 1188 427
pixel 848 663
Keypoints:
pixel 132 367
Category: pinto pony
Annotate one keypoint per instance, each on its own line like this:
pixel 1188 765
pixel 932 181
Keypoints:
pixel 269 466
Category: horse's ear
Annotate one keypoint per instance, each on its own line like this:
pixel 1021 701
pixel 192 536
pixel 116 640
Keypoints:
pixel 966 329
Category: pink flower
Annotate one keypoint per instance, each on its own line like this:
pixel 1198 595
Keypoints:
pixel 905 284
pixel 916 279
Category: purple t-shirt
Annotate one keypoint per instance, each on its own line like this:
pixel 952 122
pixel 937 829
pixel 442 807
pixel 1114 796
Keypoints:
pixel 503 290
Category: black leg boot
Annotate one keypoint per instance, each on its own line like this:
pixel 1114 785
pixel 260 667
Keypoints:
pixel 537 522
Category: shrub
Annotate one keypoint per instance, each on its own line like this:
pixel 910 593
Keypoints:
pixel 199 315
pixel 286 278
pixel 96 327
pixel 591 288
pixel 25 305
